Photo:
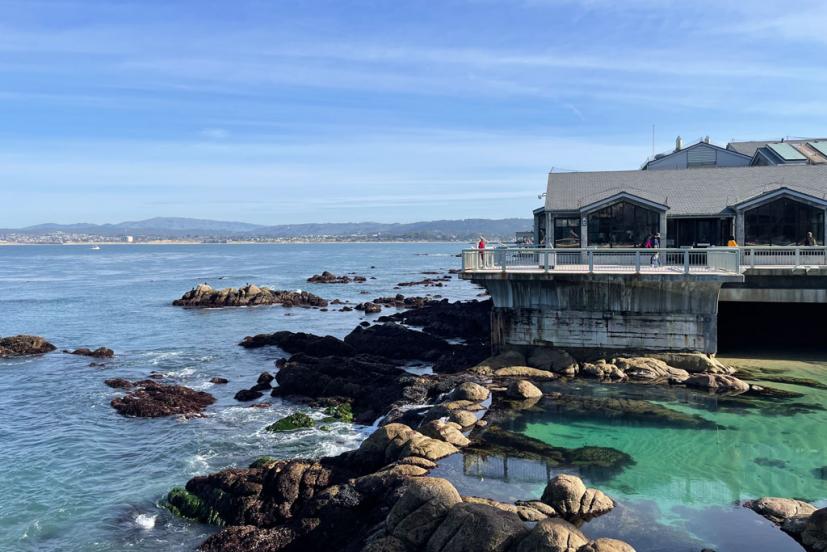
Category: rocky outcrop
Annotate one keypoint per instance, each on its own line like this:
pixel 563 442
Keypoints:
pixel 573 501
pixel 466 320
pixel 100 352
pixel 650 370
pixel 524 372
pixel 401 302
pixel 719 383
pixel 799 519
pixel 205 296
pixel 395 341
pixel 476 527
pixel 300 342
pixel 150 399
pixel 601 370
pixel 693 363
pixel 23 345
pixel 330 278
pixel 369 308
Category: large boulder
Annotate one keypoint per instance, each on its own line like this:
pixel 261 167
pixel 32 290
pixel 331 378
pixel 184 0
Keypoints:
pixel 606 545
pixel 385 444
pixel 300 342
pixel 502 360
pixel 601 370
pixel 21 345
pixel 397 342
pixel 778 510
pixel 427 447
pixel 445 431
pixel 719 383
pixel 469 391
pixel 524 372
pixel 553 360
pixel 650 369
pixel 568 495
pixel 522 389
pixel 423 507
pixel 552 535
pixel 150 399
pixel 476 528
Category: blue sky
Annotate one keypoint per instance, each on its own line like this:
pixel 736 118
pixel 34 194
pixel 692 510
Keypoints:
pixel 309 111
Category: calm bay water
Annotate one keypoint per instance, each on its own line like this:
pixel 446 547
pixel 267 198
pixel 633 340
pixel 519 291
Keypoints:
pixel 76 475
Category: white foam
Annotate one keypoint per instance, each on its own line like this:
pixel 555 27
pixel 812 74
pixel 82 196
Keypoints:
pixel 145 521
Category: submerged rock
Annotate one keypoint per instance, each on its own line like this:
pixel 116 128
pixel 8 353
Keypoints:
pixel 150 399
pixel 22 345
pixel 719 383
pixel 204 295
pixel 100 352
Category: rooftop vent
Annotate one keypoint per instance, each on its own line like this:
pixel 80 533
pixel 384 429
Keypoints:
pixel 678 143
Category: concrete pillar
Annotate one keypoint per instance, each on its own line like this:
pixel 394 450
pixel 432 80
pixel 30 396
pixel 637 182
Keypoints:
pixel 584 230
pixel 549 230
pixel 662 229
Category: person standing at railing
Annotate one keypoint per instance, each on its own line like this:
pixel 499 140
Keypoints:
pixel 732 242
pixel 481 247
pixel 656 241
pixel 810 240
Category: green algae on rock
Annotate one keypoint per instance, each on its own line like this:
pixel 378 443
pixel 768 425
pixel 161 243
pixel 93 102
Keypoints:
pixel 298 420
pixel 183 503
pixel 263 462
pixel 341 412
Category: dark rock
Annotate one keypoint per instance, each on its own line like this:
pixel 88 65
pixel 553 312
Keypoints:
pixel 20 345
pixel 369 308
pixel 150 399
pixel 203 295
pixel 100 352
pixel 219 381
pixel 372 384
pixel 427 282
pixel 396 342
pixel 265 378
pixel 466 319
pixel 401 302
pixel 300 342
pixel 248 538
pixel 330 278
pixel 118 383
pixel 248 395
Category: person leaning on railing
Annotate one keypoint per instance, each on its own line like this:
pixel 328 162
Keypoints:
pixel 732 242
pixel 810 240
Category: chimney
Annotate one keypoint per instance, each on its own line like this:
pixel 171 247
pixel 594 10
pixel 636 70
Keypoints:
pixel 706 139
pixel 678 143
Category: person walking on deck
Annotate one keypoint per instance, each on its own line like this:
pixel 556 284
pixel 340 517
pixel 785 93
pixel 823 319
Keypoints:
pixel 810 240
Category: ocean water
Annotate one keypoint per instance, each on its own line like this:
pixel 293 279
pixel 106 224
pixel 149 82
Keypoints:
pixel 76 475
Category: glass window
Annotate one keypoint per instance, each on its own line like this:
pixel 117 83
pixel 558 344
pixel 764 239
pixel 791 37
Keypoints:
pixel 567 232
pixel 698 232
pixel 623 224
pixel 782 222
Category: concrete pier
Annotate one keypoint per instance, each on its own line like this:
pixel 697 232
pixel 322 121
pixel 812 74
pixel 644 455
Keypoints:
pixel 646 312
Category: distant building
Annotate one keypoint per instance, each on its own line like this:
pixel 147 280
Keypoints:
pixel 524 237
pixel 129 239
pixel 811 151
pixel 702 154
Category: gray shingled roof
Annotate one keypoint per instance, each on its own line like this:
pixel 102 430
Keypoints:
pixel 748 148
pixel 685 191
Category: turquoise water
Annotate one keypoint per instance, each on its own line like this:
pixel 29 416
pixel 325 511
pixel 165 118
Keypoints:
pixel 77 476
pixel 759 448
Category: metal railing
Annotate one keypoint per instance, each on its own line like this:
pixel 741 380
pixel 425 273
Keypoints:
pixel 591 260
pixel 753 256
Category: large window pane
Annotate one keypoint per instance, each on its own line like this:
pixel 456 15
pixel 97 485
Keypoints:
pixel 567 232
pixel 623 224
pixel 782 222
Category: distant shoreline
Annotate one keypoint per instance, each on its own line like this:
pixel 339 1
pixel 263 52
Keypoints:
pixel 176 242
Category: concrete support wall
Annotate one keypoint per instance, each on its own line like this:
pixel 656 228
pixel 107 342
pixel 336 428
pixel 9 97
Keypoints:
pixel 611 311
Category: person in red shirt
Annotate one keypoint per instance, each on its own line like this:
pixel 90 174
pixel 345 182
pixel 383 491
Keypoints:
pixel 481 247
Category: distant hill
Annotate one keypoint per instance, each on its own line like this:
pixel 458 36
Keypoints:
pixel 175 227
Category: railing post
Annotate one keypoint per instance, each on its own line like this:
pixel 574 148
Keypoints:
pixel 546 260
pixel 637 261
pixel 752 258
pixel 797 256
pixel 590 255
pixel 686 261
pixel 505 260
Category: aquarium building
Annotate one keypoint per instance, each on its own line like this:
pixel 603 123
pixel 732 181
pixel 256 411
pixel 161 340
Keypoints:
pixel 694 207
